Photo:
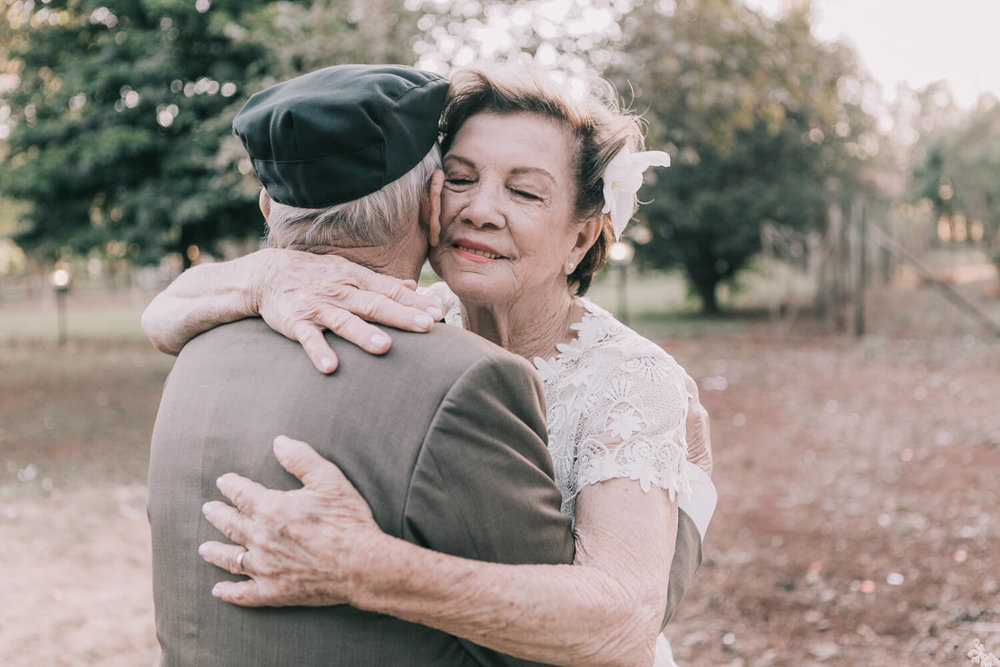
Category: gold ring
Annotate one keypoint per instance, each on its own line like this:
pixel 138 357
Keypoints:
pixel 239 562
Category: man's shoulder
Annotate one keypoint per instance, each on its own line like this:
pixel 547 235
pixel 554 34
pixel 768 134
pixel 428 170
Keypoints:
pixel 441 355
pixel 452 347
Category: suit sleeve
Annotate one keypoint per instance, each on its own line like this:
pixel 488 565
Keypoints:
pixel 482 486
pixel 686 561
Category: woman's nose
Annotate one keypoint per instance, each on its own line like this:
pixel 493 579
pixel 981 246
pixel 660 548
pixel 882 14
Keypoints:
pixel 482 209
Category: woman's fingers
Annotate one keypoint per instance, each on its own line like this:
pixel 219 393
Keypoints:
pixel 225 556
pixel 397 290
pixel 353 329
pixel 303 294
pixel 351 324
pixel 227 520
pixel 699 438
pixel 379 308
pixel 301 460
pixel 310 337
pixel 401 291
pixel 244 593
pixel 242 492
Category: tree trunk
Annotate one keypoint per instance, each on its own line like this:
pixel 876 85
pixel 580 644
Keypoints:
pixel 705 289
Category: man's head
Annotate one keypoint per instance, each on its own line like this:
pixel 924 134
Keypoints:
pixel 344 154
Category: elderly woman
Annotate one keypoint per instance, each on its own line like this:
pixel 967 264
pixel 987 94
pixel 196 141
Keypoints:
pixel 536 186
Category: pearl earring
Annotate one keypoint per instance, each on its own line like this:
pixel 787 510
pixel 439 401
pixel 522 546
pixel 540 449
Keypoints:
pixel 569 267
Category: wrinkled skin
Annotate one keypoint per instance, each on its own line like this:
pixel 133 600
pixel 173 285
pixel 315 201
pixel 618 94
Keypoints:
pixel 280 530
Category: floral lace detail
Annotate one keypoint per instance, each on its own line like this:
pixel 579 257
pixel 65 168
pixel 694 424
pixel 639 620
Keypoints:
pixel 617 405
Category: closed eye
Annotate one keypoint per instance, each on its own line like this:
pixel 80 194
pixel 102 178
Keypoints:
pixel 526 195
pixel 458 181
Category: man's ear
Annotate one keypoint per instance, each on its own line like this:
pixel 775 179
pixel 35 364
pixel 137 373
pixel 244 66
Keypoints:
pixel 264 201
pixel 434 208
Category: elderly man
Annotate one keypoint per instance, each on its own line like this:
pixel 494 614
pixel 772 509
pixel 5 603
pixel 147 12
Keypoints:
pixel 345 155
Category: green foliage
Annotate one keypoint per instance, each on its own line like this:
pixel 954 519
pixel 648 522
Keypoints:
pixel 958 169
pixel 764 124
pixel 122 112
pixel 301 37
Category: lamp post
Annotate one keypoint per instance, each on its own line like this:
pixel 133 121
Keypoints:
pixel 61 278
pixel 619 257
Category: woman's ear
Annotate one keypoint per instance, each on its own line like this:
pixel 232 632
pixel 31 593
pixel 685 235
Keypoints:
pixel 586 236
pixel 434 189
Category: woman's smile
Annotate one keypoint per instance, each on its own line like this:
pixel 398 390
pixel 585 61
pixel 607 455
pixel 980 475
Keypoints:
pixel 475 251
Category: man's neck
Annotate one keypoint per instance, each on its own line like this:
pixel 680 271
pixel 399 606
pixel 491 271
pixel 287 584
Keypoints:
pixel 375 258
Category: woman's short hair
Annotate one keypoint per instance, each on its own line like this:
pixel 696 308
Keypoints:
pixel 599 126
pixel 375 219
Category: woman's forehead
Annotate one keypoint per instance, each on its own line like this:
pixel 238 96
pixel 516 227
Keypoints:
pixel 519 142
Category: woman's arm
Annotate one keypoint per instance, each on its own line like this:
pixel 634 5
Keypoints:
pixel 319 546
pixel 605 609
pixel 299 294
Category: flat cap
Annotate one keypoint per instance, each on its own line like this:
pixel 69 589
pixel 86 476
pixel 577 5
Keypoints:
pixel 340 133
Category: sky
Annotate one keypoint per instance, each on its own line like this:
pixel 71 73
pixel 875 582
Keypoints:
pixel 917 41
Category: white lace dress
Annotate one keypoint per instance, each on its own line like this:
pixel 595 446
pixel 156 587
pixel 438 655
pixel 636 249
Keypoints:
pixel 617 407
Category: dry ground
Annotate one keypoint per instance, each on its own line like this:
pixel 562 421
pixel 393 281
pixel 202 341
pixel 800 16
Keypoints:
pixel 858 520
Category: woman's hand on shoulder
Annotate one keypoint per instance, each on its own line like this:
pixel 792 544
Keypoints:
pixel 301 294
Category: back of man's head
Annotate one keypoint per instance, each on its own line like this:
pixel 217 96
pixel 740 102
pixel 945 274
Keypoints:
pixel 376 219
pixel 344 153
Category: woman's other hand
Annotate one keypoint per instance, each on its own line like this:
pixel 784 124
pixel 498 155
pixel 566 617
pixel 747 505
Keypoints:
pixel 300 294
pixel 300 547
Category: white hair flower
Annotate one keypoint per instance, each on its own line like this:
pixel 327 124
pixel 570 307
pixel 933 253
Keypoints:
pixel 622 180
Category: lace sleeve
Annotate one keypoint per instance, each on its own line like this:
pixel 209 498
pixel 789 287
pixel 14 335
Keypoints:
pixel 635 427
pixel 452 306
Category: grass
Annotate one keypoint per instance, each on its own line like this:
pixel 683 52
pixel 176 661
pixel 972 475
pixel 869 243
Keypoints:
pixel 88 317
pixel 659 306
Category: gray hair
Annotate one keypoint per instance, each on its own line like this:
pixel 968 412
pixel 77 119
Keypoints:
pixel 375 219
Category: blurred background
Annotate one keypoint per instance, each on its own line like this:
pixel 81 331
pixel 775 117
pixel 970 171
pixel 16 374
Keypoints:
pixel 822 256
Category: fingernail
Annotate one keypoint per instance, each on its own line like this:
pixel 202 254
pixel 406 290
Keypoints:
pixel 378 340
pixel 434 312
pixel 204 508
pixel 327 364
pixel 201 549
pixel 218 482
pixel 281 443
pixel 215 591
pixel 423 321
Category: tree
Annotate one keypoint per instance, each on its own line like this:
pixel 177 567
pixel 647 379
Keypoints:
pixel 121 108
pixel 763 122
pixel 957 165
pixel 121 116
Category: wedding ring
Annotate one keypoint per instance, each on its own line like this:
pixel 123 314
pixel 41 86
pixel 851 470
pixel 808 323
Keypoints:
pixel 239 562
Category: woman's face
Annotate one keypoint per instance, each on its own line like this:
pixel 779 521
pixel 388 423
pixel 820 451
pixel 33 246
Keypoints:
pixel 507 220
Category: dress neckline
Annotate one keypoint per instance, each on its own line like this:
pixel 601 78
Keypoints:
pixel 588 331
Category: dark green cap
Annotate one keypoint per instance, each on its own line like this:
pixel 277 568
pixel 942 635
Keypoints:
pixel 342 132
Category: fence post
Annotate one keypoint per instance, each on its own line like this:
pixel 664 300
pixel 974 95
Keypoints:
pixel 859 251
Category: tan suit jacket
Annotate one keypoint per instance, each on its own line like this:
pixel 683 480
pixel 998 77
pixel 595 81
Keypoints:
pixel 444 437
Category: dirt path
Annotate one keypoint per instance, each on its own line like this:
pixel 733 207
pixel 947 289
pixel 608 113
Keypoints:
pixel 859 513
pixel 75 580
